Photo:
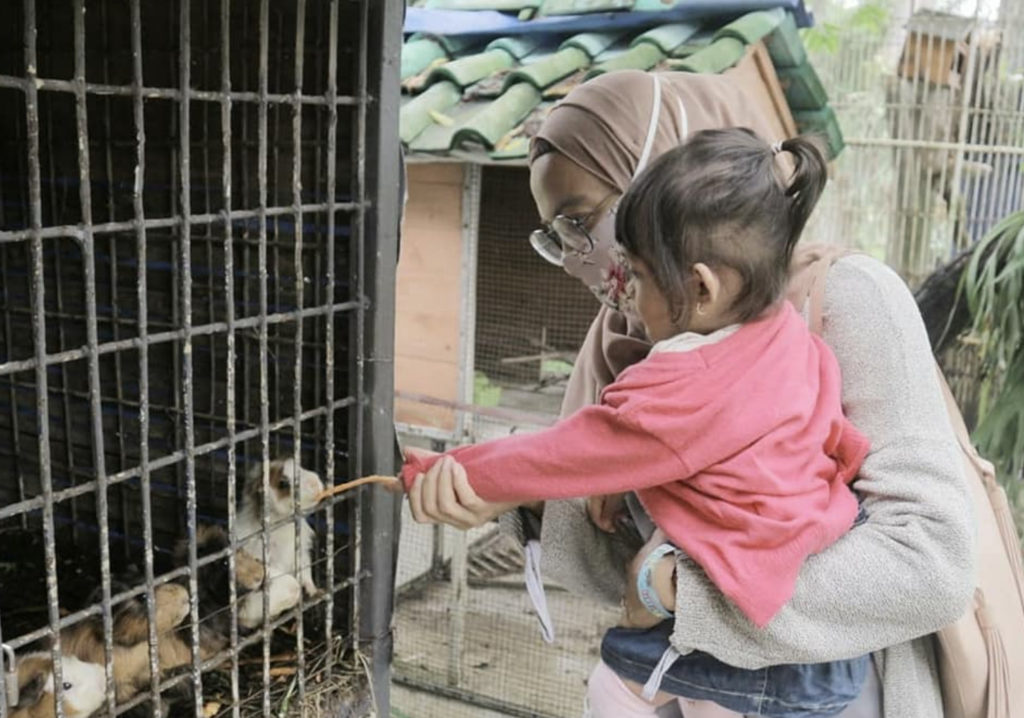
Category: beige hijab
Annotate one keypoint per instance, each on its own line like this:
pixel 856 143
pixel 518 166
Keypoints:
pixel 603 126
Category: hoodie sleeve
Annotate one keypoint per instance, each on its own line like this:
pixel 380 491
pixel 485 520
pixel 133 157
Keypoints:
pixel 592 452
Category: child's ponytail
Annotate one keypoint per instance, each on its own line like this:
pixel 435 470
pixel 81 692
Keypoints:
pixel 806 184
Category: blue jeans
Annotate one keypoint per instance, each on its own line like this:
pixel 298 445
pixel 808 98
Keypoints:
pixel 786 691
pixel 801 690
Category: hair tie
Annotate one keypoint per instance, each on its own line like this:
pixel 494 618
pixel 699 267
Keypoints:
pixel 777 147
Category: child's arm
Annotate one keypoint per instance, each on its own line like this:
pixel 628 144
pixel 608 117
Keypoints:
pixel 598 450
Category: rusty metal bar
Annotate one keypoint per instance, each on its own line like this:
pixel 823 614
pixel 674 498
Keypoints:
pixel 169 336
pixel 92 343
pixel 12 393
pixel 261 179
pixel 170 93
pixel 187 398
pixel 38 302
pixel 357 329
pixel 229 369
pixel 174 458
pixel 300 288
pixel 128 404
pixel 58 292
pixel 143 329
pixel 114 320
pixel 75 231
pixel 79 616
pixel 332 157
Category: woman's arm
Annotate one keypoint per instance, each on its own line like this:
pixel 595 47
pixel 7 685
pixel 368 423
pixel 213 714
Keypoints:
pixel 910 569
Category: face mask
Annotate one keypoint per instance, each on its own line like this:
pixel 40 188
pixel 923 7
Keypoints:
pixel 604 269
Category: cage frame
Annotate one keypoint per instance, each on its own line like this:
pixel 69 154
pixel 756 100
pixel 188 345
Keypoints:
pixel 378 170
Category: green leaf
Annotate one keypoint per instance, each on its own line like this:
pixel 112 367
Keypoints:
pixel 823 38
pixel 993 286
pixel 872 17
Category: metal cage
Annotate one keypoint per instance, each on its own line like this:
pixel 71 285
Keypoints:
pixel 198 234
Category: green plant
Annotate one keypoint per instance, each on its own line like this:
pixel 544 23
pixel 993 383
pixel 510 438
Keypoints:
pixel 870 17
pixel 993 286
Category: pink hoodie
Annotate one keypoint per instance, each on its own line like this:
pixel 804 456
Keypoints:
pixel 738 450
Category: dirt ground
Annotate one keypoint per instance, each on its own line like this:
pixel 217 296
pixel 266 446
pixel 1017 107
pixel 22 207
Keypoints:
pixel 502 655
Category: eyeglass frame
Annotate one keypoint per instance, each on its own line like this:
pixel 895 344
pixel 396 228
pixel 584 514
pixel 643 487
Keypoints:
pixel 549 235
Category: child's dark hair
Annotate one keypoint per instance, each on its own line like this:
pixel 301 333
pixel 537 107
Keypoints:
pixel 720 199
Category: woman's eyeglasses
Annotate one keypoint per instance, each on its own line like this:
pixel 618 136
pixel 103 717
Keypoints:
pixel 567 234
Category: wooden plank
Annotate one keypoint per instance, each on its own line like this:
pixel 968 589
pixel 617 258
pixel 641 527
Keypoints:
pixel 428 294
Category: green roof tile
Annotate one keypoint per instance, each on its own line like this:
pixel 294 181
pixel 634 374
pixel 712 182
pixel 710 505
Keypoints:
pixel 439 137
pixel 517 149
pixel 504 5
pixel 753 26
pixel 639 57
pixel 472 68
pixel 454 45
pixel 694 44
pixel 572 7
pixel 551 69
pixel 717 57
pixel 592 43
pixel 785 46
pixel 802 87
pixel 499 117
pixel 825 123
pixel 518 47
pixel 418 54
pixel 415 115
pixel 668 37
pixel 655 5
pixel 482 92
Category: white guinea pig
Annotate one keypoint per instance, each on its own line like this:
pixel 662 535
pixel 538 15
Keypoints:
pixel 286 480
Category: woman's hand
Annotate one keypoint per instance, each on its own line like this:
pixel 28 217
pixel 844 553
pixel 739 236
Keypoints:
pixel 443 495
pixel 634 613
pixel 605 511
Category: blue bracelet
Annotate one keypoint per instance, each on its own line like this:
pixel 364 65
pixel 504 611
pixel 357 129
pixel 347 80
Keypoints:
pixel 648 596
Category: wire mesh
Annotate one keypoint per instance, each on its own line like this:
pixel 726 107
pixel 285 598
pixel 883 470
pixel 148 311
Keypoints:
pixel 466 628
pixel 933 114
pixel 182 197
pixel 533 345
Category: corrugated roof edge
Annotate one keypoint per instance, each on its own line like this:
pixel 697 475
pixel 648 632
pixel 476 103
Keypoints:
pixel 491 22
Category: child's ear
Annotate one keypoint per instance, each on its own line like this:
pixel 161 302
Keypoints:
pixel 709 285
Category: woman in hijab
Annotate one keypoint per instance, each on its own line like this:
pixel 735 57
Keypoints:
pixel 882 589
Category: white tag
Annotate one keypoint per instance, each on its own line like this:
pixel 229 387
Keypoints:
pixel 535 587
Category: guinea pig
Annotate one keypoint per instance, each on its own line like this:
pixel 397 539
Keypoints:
pixel 84 640
pixel 214 582
pixel 84 686
pixel 286 480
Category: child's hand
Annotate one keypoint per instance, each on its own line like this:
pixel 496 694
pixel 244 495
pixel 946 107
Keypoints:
pixel 444 495
pixel 635 614
pixel 605 510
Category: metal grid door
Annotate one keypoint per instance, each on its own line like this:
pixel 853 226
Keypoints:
pixel 198 233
